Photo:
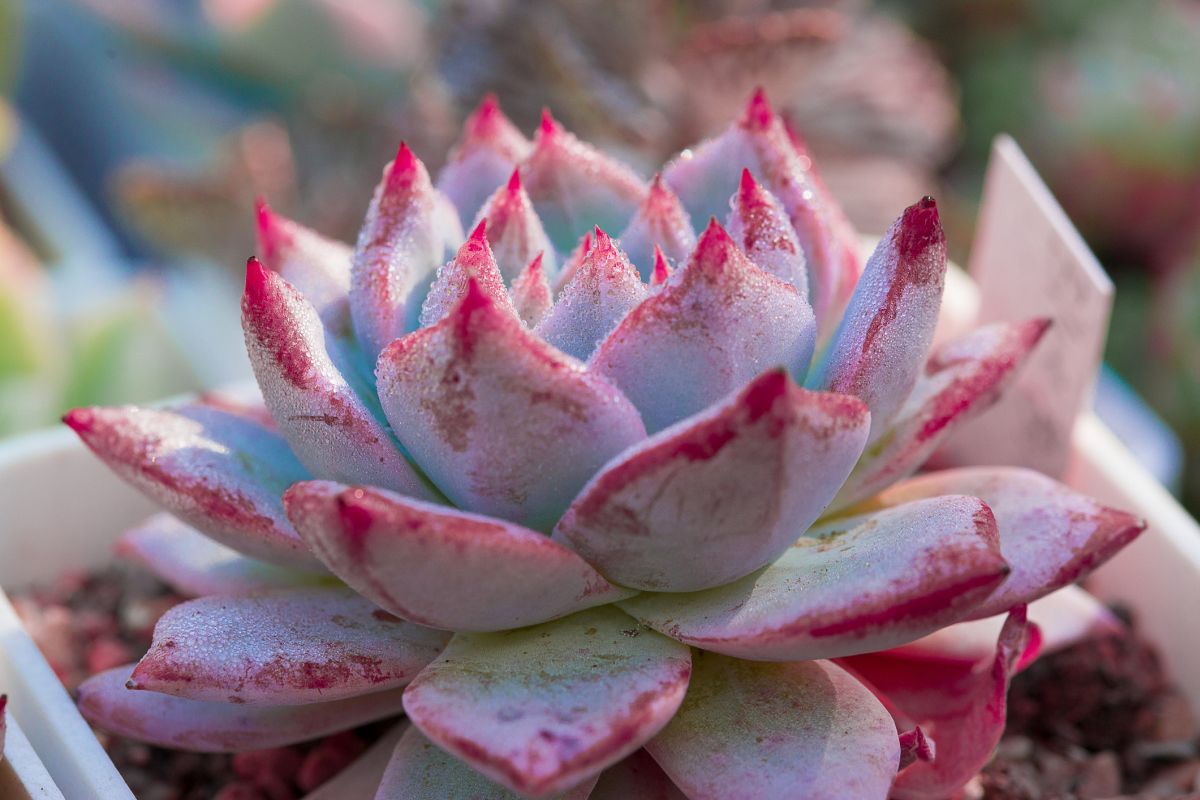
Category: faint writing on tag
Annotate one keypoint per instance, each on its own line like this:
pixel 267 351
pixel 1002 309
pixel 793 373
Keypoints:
pixel 1029 261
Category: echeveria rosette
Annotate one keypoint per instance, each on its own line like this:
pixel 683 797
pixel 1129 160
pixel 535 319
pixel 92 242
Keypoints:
pixel 582 514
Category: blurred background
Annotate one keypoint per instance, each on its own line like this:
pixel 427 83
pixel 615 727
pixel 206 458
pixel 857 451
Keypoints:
pixel 135 134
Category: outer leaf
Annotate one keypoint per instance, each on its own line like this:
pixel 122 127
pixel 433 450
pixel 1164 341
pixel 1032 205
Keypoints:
pixel 310 387
pixel 194 565
pixel 878 349
pixel 167 721
pixel 721 494
pixel 961 710
pixel 531 294
pixel 474 261
pixel 962 380
pixel 660 222
pixel 220 472
pixel 440 566
pixel 288 647
pixel 575 187
pixel 638 777
pixel 1050 535
pixel 850 586
pixel 487 151
pixel 760 226
pixel 317 266
pixel 360 780
pixel 601 292
pixel 748 731
pixel 503 423
pixel 543 708
pixel 420 770
pixel 409 232
pixel 1063 618
pixel 715 325
pixel 514 230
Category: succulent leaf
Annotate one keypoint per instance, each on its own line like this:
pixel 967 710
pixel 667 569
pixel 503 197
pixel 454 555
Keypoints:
pixel 316 391
pixel 662 223
pixel 718 323
pixel 542 709
pixel 1063 618
pixel 167 721
pixel 760 226
pixel 318 267
pixel 419 769
pixel 443 567
pixel 601 292
pixel 705 176
pixel 719 495
pixel 474 261
pixel 848 586
pixel 486 153
pixel 575 187
pixel 750 730
pixel 961 709
pixel 962 379
pixel 502 422
pixel 1050 535
pixel 286 647
pixel 194 565
pixel 410 230
pixel 220 472
pixel 878 350
pixel 531 294
pixel 514 230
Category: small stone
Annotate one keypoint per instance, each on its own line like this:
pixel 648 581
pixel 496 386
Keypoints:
pixel 1015 748
pixel 1100 778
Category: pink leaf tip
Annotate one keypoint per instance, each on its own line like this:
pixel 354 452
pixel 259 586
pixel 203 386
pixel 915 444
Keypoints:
pixel 404 167
pixel 549 126
pixel 715 246
pixel 514 182
pixel 256 281
pixel 480 232
pixel 80 420
pixel 758 115
pixel 920 228
pixel 662 270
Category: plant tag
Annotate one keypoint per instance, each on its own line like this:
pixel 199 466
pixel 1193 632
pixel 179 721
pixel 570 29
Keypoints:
pixel 1028 261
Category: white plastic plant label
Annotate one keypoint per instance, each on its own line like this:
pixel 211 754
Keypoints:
pixel 1028 261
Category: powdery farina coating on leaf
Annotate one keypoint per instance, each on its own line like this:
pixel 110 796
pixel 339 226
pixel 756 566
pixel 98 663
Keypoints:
pixel 429 417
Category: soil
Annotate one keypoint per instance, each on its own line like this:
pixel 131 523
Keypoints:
pixel 87 623
pixel 1097 720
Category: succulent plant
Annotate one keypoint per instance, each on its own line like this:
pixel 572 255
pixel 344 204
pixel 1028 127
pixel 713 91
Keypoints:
pixel 578 503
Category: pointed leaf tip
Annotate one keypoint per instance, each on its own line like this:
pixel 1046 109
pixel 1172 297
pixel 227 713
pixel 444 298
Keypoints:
pixel 404 167
pixel 548 125
pixel 758 114
pixel 80 420
pixel 480 232
pixel 662 270
pixel 920 228
pixel 256 280
pixel 514 182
